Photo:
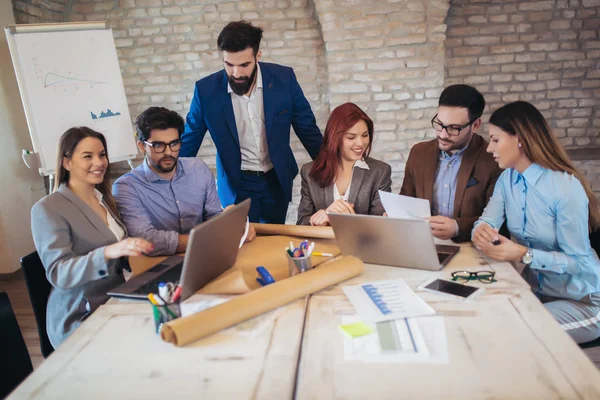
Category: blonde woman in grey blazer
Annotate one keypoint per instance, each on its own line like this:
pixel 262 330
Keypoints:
pixel 78 234
pixel 343 178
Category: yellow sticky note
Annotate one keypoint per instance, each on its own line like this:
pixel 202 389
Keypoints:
pixel 356 329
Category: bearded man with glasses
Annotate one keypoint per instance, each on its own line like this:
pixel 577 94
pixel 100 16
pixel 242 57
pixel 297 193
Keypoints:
pixel 453 171
pixel 166 196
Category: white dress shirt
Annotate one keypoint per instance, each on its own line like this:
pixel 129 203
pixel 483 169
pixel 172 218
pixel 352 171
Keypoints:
pixel 112 224
pixel 250 122
pixel 336 193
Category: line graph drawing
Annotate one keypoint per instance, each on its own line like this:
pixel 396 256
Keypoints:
pixel 52 79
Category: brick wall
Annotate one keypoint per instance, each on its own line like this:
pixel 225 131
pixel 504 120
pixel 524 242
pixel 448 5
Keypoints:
pixel 39 11
pixel 390 57
pixel 545 52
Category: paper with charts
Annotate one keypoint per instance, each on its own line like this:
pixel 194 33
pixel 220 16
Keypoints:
pixel 398 206
pixel 386 300
pixel 411 340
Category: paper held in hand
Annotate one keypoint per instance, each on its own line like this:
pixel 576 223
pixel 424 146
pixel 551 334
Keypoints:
pixel 398 206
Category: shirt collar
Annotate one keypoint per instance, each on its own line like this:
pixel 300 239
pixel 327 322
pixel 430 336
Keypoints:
pixel 98 195
pixel 531 175
pixel 259 81
pixel 458 154
pixel 152 176
pixel 362 164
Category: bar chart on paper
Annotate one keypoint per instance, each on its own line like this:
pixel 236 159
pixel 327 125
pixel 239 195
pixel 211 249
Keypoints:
pixel 386 300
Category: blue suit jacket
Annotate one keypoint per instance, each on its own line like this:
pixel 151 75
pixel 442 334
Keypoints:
pixel 284 105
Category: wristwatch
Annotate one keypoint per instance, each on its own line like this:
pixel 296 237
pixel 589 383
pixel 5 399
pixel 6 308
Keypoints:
pixel 527 257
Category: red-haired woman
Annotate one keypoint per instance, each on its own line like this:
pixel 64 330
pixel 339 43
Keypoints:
pixel 343 178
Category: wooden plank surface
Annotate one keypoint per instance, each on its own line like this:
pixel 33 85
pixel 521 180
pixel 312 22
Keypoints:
pixel 502 345
pixel 116 354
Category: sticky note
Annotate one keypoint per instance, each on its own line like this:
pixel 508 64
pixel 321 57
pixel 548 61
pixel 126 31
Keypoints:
pixel 356 329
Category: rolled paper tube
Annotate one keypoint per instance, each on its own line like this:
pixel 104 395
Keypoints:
pixel 304 231
pixel 191 328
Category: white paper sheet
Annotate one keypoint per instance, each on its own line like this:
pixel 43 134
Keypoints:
pixel 368 348
pixel 398 206
pixel 386 300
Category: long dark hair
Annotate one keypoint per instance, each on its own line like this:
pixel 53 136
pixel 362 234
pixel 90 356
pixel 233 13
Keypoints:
pixel 344 117
pixel 539 144
pixel 66 145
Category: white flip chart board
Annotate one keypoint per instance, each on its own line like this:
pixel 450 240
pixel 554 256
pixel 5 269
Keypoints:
pixel 69 75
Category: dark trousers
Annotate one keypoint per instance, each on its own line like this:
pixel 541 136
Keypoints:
pixel 269 204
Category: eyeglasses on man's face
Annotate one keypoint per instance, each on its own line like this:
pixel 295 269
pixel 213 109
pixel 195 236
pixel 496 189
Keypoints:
pixel 160 147
pixel 481 276
pixel 452 130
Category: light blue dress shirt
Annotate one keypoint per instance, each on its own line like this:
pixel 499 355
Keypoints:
pixel 158 210
pixel 446 179
pixel 547 211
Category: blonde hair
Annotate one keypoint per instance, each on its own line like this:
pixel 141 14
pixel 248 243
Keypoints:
pixel 539 144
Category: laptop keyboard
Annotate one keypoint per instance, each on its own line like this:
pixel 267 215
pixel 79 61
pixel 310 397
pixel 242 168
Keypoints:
pixel 171 275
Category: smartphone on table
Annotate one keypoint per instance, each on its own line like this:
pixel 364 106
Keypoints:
pixel 452 289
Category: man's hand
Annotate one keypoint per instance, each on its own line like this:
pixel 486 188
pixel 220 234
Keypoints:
pixel 443 227
pixel 251 234
pixel 319 218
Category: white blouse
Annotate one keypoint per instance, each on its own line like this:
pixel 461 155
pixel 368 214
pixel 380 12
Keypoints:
pixel 114 227
pixel 336 193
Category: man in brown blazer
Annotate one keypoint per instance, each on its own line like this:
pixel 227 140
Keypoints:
pixel 454 171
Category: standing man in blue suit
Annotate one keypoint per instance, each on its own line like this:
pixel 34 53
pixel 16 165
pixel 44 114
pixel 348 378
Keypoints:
pixel 248 108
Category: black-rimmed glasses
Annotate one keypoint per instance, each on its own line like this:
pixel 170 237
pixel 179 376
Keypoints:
pixel 482 276
pixel 160 147
pixel 453 130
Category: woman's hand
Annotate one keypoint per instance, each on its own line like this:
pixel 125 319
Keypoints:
pixel 319 218
pixel 341 207
pixel 484 235
pixel 507 250
pixel 127 248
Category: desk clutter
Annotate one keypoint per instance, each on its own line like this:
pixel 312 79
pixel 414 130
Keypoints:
pixel 185 330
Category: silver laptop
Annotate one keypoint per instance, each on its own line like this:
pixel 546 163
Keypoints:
pixel 390 241
pixel 211 250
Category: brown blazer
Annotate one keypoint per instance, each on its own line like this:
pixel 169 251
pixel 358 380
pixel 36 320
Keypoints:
pixel 363 191
pixel 476 180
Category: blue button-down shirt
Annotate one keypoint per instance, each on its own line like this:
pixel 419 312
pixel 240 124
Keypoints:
pixel 547 211
pixel 444 187
pixel 158 210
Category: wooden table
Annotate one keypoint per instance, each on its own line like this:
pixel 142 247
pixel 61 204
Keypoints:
pixel 502 345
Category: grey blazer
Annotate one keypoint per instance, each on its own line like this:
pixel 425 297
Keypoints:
pixel 363 190
pixel 70 239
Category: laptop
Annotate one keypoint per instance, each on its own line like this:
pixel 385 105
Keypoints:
pixel 390 241
pixel 211 250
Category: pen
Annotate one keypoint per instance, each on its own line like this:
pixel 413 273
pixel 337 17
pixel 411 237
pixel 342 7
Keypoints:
pixel 318 253
pixel 162 302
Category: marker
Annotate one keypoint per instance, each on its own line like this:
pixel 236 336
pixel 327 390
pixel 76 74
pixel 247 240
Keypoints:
pixel 176 294
pixel 318 253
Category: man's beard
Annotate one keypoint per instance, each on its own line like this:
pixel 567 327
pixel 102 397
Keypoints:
pixel 241 88
pixel 159 166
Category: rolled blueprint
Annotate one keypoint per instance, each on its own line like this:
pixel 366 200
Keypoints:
pixel 186 330
pixel 304 231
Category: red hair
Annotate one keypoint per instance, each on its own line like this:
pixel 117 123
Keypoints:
pixel 343 118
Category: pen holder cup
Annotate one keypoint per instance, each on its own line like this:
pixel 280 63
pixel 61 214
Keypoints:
pixel 297 265
pixel 164 314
